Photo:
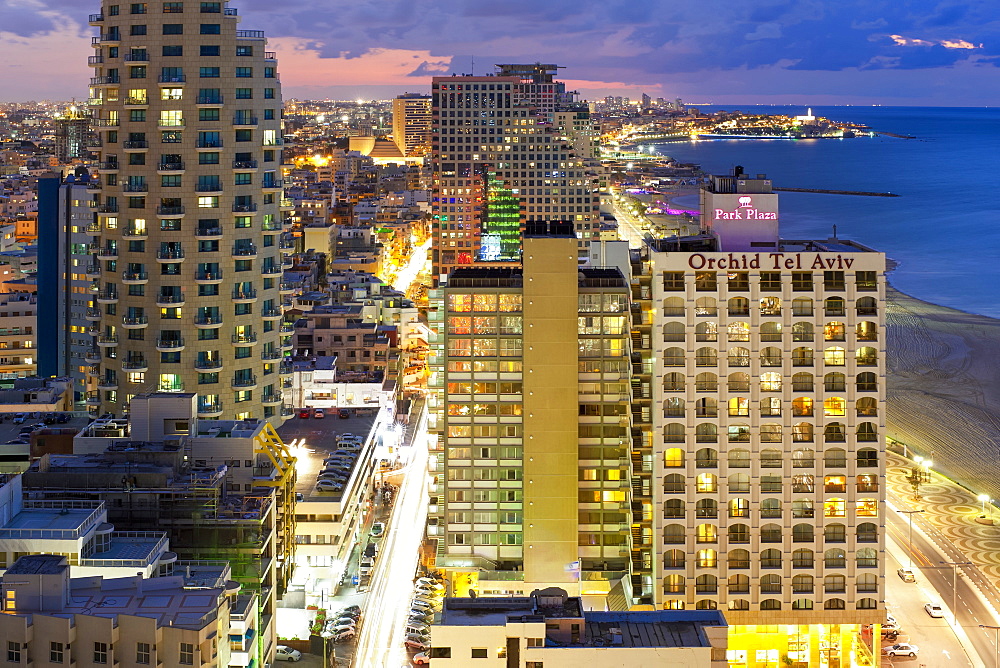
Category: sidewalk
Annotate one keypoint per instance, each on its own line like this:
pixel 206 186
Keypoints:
pixel 951 510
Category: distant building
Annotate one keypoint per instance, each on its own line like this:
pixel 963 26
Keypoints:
pixel 411 123
pixel 72 132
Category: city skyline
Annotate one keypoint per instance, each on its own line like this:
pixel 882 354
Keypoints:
pixel 923 53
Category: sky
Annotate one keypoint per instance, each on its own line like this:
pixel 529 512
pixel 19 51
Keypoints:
pixel 822 52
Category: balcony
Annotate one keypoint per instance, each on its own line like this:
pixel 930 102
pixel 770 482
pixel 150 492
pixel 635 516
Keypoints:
pixel 249 34
pixel 93 398
pixel 273 142
pixel 135 277
pixel 135 232
pixel 208 322
pixel 95 60
pixel 284 244
pixel 245 382
pixel 244 164
pixel 286 328
pixel 209 99
pixel 107 208
pixel 135 364
pixel 95 18
pixel 164 167
pixel 136 58
pixel 270 313
pixel 271 226
pixel 274 184
pixel 270 399
pixel 271 270
pixel 135 145
pixel 93 271
pixel 170 301
pixel 107 297
pixel 244 208
pixel 170 345
pixel 271 355
pixel 104 81
pixel 207 365
pixel 106 253
pixel 136 102
pixel 287 288
pixel 229 11
pixel 172 79
pixel 244 296
pixel 210 410
pixel 170 123
pixel 95 102
pixel 108 166
pixel 94 314
pixel 244 251
pixel 135 322
pixel 286 204
pixel 172 255
pixel 209 188
pixel 93 357
pixel 107 340
pixel 245 121
pixel 286 368
pixel 208 233
pixel 208 144
pixel 270 55
pixel 208 277
pixel 244 339
pixel 173 211
pixel 135 188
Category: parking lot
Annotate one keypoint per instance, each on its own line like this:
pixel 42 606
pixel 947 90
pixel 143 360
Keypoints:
pixel 318 438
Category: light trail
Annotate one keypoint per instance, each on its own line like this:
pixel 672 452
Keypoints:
pixel 388 601
pixel 406 275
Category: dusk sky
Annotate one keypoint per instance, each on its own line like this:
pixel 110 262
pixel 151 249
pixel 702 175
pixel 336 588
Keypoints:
pixel 892 52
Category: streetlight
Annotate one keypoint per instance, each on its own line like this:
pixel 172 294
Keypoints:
pixel 983 498
pixel 919 474
pixel 909 540
pixel 997 641
pixel 954 585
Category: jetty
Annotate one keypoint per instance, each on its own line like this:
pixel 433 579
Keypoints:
pixel 835 192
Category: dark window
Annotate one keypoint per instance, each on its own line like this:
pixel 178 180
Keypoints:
pixel 138 30
pixel 173 7
pixel 268 72
pixel 137 71
pixel 210 158
pixel 138 8
pixel 211 7
pixel 673 281
pixel 208 72
pixel 243 179
pixel 244 72
pixel 268 93
pixel 269 114
pixel 210 50
pixel 173 50
pixel 211 28
pixel 244 135
pixel 173 28
pixel 244 51
pixel 244 93
pixel 208 115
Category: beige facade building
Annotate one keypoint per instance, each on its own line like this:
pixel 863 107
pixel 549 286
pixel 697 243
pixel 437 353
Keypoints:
pixel 768 359
pixel 186 250
pixel 411 123
pixel 530 380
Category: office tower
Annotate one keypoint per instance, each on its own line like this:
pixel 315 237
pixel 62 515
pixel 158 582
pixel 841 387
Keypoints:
pixel 530 404
pixel 769 428
pixel 411 123
pixel 66 222
pixel 72 131
pixel 189 113
pixel 496 144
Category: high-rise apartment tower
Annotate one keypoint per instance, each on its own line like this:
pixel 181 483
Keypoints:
pixel 186 246
pixel 411 123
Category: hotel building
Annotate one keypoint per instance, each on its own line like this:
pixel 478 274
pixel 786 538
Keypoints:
pixel 186 255
pixel 499 160
pixel 530 383
pixel 768 360
pixel 411 123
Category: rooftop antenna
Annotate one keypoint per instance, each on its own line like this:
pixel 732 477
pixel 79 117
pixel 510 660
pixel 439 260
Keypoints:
pixel 834 231
pixel 473 66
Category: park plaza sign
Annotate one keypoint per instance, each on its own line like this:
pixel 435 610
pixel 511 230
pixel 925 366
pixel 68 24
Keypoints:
pixel 769 261
pixel 745 211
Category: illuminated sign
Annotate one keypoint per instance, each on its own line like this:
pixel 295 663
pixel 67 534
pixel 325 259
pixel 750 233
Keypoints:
pixel 770 261
pixel 745 211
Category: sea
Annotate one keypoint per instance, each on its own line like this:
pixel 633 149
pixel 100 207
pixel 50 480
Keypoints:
pixel 944 228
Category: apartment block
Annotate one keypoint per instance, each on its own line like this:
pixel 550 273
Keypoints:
pixel 532 484
pixel 188 109
pixel 411 123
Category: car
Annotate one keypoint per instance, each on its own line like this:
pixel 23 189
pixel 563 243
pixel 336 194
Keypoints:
pixel 343 453
pixel 416 645
pixel 345 636
pixel 906 575
pixel 341 628
pixel 329 485
pixel 902 649
pixel 332 477
pixel 19 418
pixel 305 412
pixel 420 604
pixel 299 496
pixel 286 653
pixel 319 413
pixel 377 529
pixel 351 609
pixel 343 413
pixel 421 659
pixel 934 610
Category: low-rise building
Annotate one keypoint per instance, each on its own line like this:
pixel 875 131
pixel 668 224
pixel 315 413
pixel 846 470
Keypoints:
pixel 550 629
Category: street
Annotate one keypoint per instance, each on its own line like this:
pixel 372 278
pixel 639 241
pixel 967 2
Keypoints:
pixel 388 602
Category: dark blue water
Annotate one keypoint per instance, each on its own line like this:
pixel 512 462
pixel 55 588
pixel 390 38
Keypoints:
pixel 944 229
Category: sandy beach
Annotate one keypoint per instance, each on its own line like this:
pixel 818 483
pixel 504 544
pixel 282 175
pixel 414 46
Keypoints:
pixel 943 371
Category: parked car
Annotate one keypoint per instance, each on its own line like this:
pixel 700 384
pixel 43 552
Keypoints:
pixel 421 659
pixel 906 575
pixel 19 418
pixel 351 609
pixel 341 628
pixel 344 637
pixel 319 413
pixel 343 413
pixel 416 645
pixel 420 604
pixel 934 610
pixel 286 653
pixel 327 485
pixel 305 412
pixel 377 529
pixel 902 649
